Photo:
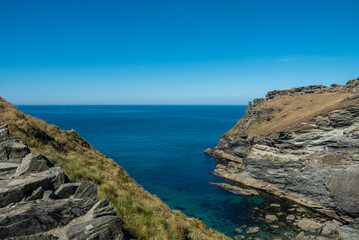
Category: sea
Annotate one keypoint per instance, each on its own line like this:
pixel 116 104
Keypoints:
pixel 161 147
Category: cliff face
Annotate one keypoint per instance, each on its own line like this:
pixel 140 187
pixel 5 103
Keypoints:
pixel 38 202
pixel 301 144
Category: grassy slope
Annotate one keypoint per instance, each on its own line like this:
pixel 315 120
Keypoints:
pixel 299 109
pixel 294 110
pixel 143 215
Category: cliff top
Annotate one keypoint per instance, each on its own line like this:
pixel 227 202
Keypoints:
pixel 282 110
pixel 351 86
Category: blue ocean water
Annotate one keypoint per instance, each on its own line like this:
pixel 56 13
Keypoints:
pixel 162 149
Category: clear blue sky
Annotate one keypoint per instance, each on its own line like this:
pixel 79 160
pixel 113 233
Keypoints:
pixel 172 52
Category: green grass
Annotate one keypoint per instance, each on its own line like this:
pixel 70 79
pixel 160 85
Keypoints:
pixel 143 215
pixel 258 124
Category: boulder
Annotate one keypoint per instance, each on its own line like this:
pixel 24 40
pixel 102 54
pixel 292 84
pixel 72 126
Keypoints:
pixel 329 228
pixel 301 236
pixel 275 205
pixel 271 218
pixel 7 168
pixel 67 190
pixel 33 162
pixel 26 218
pixel 101 208
pixel 86 190
pixel 208 151
pixel 290 217
pixel 311 225
pixel 348 233
pixel 105 227
pixel 4 132
pixel 14 190
pixel 13 150
pixel 252 230
pixel 238 230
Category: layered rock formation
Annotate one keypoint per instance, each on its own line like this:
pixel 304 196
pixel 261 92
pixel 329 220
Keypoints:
pixel 38 202
pixel 301 144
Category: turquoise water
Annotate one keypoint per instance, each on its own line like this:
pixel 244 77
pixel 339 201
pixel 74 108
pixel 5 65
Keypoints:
pixel 162 149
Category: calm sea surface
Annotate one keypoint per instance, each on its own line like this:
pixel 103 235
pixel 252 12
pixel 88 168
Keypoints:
pixel 162 149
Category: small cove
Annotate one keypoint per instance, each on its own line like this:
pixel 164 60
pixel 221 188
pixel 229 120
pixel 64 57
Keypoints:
pixel 162 149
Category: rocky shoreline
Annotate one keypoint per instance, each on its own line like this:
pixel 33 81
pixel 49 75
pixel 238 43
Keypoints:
pixel 37 201
pixel 301 145
pixel 282 219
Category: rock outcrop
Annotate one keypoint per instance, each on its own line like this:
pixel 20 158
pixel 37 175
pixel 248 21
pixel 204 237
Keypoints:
pixel 38 202
pixel 300 144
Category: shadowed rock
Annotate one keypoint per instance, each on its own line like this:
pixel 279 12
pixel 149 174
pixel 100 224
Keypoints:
pixel 13 150
pixel 67 190
pixel 40 216
pixel 33 162
pixel 4 132
pixel 86 190
pixel 13 190
pixel 7 168
pixel 38 203
pixel 49 195
pixel 37 194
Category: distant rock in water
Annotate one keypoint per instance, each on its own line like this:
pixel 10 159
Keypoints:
pixel 38 202
pixel 300 144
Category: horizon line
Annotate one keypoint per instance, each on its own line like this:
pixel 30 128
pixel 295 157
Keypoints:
pixel 130 104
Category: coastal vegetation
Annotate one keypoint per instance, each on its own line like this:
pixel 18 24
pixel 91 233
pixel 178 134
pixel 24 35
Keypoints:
pixel 289 112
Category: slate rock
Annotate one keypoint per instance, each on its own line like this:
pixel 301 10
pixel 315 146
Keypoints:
pixel 106 227
pixel 86 190
pixel 49 194
pixel 26 218
pixel 29 208
pixel 33 162
pixel 4 132
pixel 67 190
pixel 7 168
pixel 37 194
pixel 101 208
pixel 13 150
pixel 15 189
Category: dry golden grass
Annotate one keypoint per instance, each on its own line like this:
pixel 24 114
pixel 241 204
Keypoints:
pixel 144 215
pixel 299 109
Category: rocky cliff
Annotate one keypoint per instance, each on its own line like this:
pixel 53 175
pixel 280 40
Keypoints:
pixel 300 144
pixel 37 201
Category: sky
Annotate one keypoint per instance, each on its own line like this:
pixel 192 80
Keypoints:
pixel 172 52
